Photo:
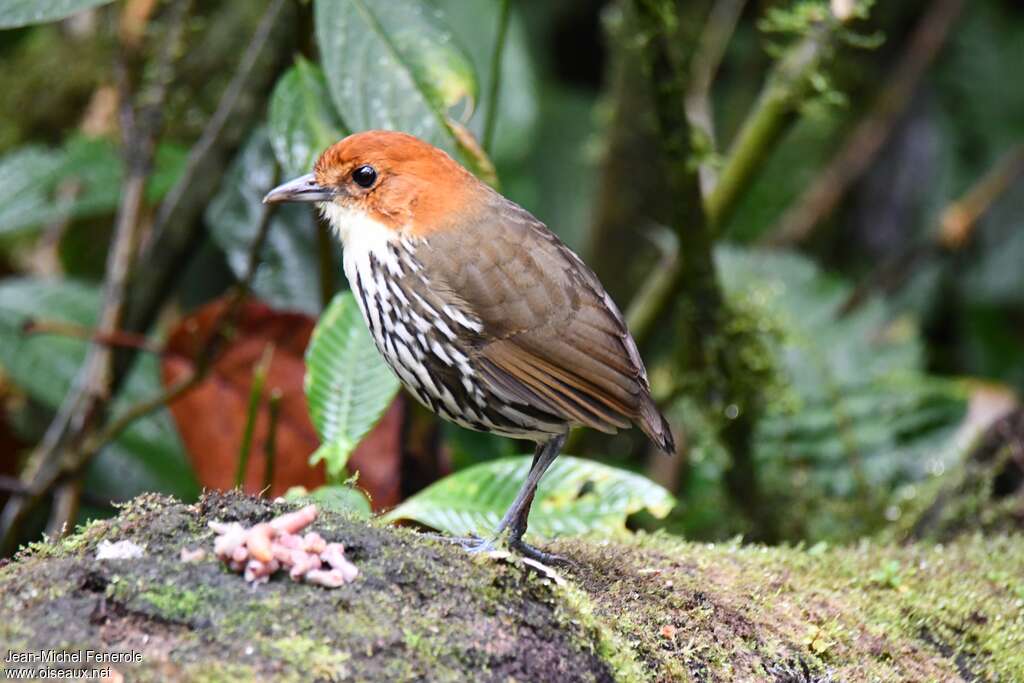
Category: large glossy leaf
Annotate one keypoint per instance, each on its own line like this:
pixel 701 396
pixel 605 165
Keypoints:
pixel 288 273
pixel 348 385
pixel 148 456
pixel 475 25
pixel 14 13
pixel 396 65
pixel 40 186
pixel 857 410
pixel 303 121
pixel 574 497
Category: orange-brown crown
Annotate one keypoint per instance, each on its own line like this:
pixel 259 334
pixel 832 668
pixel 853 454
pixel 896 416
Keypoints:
pixel 418 186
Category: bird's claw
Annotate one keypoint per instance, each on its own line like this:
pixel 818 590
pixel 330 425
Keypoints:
pixel 475 545
pixel 471 544
pixel 526 550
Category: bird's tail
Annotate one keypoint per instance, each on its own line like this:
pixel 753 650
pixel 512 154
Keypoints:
pixel 656 427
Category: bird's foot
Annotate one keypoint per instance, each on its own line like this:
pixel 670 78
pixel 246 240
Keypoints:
pixel 475 545
pixel 471 544
pixel 526 550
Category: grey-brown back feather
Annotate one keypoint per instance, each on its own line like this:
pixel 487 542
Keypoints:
pixel 552 336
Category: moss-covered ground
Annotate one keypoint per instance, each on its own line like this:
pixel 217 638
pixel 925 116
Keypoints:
pixel 643 607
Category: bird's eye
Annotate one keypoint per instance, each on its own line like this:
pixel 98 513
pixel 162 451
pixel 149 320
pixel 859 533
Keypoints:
pixel 364 176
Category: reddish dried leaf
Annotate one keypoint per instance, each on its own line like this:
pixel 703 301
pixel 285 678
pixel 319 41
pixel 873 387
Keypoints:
pixel 211 418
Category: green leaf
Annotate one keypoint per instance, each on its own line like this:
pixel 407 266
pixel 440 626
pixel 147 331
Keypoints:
pixel 288 273
pixel 15 13
pixel 148 456
pixel 857 412
pixel 575 496
pixel 83 179
pixel 303 121
pixel 348 385
pixel 395 65
pixel 336 497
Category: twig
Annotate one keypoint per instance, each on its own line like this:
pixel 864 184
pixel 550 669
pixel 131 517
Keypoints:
pixel 270 444
pixel 177 227
pixel 87 401
pixel 774 111
pixel 644 312
pixel 259 378
pixel 714 39
pixel 13 485
pixel 861 147
pixel 494 86
pixel 117 338
pixel 66 501
pixel 956 227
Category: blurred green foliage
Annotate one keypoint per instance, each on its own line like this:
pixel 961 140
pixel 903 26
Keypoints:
pixel 858 408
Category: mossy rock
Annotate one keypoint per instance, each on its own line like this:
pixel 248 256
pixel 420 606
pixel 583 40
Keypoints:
pixel 634 608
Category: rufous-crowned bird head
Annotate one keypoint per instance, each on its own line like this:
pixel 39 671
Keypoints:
pixel 391 179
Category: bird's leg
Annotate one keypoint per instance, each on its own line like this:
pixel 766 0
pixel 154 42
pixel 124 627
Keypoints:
pixel 515 519
pixel 517 512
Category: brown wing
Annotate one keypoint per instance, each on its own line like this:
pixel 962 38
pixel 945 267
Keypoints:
pixel 554 337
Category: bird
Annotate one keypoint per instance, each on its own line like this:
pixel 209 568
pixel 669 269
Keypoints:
pixel 482 312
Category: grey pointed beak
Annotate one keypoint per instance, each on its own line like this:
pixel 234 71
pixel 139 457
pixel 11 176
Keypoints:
pixel 302 189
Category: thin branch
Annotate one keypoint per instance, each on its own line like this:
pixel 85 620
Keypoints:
pixel 177 226
pixel 494 89
pixel 957 225
pixel 117 338
pixel 864 143
pixel 714 39
pixel 775 109
pixel 259 378
pixel 13 485
pixel 270 444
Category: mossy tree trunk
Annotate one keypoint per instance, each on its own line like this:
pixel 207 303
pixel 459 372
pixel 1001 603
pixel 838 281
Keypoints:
pixel 632 608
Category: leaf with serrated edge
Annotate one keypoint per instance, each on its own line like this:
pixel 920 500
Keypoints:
pixel 860 404
pixel 348 385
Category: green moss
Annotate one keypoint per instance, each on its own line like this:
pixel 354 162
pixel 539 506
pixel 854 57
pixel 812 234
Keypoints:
pixel 173 602
pixel 84 536
pixel 869 612
pixel 219 672
pixel 635 608
pixel 607 642
pixel 315 658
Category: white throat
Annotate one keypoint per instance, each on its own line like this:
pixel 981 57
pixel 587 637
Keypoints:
pixel 357 230
pixel 365 241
